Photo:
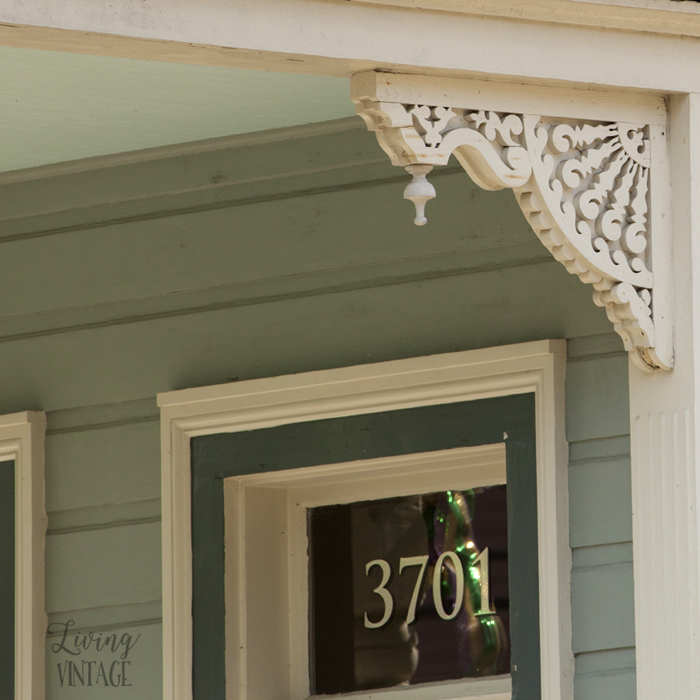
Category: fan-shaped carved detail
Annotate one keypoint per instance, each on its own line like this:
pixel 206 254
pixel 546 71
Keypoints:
pixel 582 185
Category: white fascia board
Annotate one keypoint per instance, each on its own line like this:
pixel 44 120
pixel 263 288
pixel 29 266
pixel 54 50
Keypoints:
pixel 612 14
pixel 342 38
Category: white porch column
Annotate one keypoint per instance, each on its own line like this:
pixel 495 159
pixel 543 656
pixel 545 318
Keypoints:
pixel 664 421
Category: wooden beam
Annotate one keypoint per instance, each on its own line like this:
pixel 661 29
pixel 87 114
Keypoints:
pixel 336 38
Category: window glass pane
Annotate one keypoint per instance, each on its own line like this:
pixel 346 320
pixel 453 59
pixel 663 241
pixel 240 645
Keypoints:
pixel 409 590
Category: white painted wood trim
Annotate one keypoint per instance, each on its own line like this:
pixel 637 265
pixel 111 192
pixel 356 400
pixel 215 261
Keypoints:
pixel 563 10
pixel 651 6
pixel 594 44
pixel 505 96
pixel 22 440
pixel 285 497
pixel 421 122
pixel 664 425
pixel 537 367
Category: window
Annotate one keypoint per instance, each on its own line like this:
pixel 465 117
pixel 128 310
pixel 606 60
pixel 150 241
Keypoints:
pixel 249 449
pixel 22 532
pixel 344 531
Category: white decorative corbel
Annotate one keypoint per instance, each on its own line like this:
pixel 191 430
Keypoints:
pixel 583 186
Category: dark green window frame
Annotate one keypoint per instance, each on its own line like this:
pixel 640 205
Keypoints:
pixel 424 429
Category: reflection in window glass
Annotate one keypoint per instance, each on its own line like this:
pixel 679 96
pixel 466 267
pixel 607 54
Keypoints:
pixel 409 590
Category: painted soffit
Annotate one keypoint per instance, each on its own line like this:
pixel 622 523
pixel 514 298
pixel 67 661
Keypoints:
pixel 58 107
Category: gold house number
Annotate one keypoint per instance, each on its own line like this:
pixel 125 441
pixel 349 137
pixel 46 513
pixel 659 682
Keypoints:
pixel 482 561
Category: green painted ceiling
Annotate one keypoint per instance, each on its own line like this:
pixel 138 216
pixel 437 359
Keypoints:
pixel 58 106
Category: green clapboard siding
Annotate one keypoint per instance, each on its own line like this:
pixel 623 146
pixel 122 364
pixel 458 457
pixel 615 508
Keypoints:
pixel 600 513
pixel 253 257
pixel 7 579
pixel 367 437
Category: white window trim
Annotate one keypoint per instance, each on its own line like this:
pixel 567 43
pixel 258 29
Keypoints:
pixel 263 505
pixel 537 367
pixel 22 440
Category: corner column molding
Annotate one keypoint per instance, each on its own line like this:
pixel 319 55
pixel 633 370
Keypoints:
pixel 582 184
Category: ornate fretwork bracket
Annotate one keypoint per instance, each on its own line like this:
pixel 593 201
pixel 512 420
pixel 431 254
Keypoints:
pixel 582 185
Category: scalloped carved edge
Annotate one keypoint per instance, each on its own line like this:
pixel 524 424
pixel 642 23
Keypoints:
pixel 582 185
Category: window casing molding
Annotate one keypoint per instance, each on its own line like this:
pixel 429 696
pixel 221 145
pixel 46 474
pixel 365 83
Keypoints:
pixel 22 441
pixel 263 504
pixel 536 367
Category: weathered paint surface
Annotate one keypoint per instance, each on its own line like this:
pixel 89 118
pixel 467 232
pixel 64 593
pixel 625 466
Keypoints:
pixel 7 577
pixel 262 260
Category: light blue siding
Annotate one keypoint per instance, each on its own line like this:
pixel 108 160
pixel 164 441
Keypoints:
pixel 600 512
pixel 240 262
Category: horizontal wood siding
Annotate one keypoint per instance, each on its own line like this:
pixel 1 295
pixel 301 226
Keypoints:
pixel 252 257
pixel 600 513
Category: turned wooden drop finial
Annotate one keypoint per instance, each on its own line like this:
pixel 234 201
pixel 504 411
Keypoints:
pixel 419 191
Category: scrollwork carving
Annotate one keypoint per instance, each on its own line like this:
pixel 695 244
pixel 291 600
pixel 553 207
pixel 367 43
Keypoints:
pixel 583 187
